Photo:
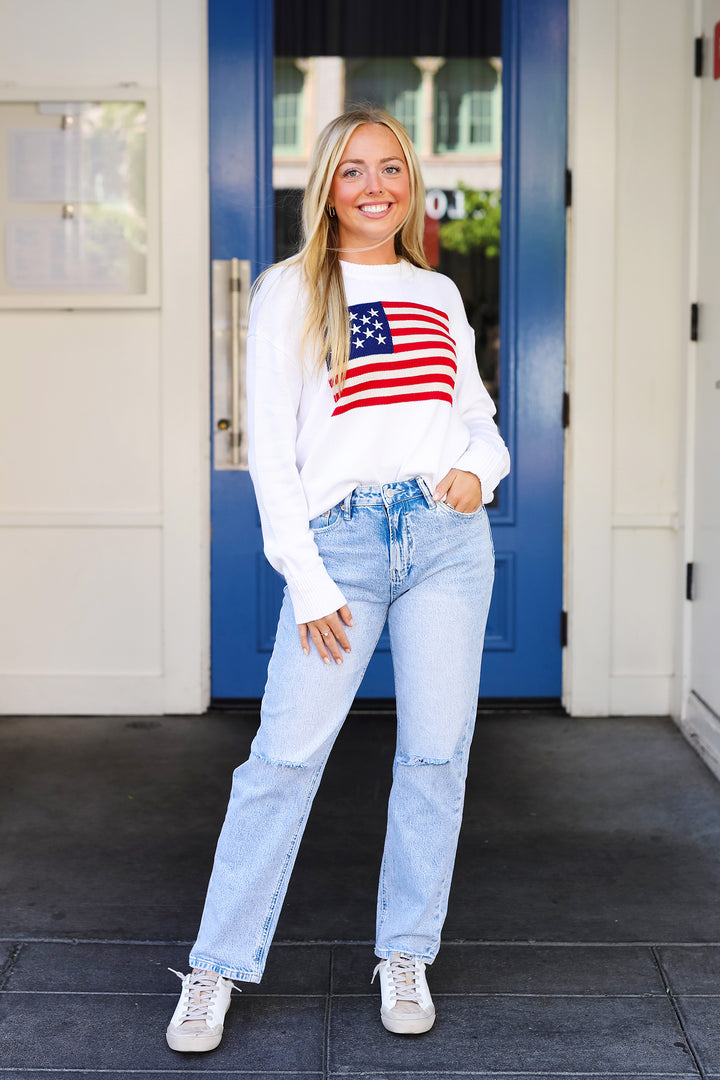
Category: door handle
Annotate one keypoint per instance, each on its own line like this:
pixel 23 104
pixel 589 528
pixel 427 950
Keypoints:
pixel 231 291
pixel 238 346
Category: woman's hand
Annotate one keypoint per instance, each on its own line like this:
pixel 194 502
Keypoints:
pixel 460 490
pixel 328 634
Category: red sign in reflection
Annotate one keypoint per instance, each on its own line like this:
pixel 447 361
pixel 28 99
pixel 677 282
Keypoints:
pixel 716 52
pixel 431 240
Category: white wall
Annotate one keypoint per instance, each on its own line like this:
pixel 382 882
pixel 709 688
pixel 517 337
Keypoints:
pixel 104 514
pixel 630 87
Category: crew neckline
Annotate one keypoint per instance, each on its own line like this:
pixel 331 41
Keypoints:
pixel 373 270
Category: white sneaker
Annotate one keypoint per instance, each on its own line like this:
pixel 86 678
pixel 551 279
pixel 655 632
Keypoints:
pixel 197 1023
pixel 407 1008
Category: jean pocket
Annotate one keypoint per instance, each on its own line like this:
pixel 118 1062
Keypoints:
pixel 323 522
pixel 457 513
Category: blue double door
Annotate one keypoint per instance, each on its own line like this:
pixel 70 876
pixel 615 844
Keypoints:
pixel 523 651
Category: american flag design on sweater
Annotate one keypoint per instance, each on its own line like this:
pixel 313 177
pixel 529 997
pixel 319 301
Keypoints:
pixel 399 351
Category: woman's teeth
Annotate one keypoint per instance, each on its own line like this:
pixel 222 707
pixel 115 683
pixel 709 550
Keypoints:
pixel 375 208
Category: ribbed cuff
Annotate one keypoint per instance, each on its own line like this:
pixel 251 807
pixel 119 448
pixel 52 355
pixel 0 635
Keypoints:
pixel 488 465
pixel 314 596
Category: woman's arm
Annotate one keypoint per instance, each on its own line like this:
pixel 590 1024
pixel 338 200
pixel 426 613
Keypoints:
pixel 486 456
pixel 274 386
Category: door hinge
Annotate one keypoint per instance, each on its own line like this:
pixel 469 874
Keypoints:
pixel 563 629
pixel 694 318
pixel 566 410
pixel 689 581
pixel 568 189
pixel 699 56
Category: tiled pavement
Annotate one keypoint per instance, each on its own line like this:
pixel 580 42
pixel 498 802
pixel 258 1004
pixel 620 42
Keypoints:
pixel 503 1011
pixel 610 826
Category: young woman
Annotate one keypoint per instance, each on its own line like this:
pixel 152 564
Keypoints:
pixel 373 451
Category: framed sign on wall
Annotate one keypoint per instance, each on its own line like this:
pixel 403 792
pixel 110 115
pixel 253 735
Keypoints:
pixel 79 212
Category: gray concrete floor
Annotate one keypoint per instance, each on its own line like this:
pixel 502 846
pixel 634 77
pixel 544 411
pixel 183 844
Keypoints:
pixel 582 939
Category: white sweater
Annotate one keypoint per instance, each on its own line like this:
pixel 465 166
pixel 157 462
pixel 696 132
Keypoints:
pixel 413 405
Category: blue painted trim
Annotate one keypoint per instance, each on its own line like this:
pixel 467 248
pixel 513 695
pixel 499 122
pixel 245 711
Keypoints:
pixel 504 511
pixel 240 43
pixel 264 135
pixel 536 35
pixel 240 40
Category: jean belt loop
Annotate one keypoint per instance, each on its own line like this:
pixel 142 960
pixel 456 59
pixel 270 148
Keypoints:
pixel 422 484
pixel 347 506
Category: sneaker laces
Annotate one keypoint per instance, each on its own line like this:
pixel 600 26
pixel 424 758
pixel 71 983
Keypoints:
pixel 403 971
pixel 200 989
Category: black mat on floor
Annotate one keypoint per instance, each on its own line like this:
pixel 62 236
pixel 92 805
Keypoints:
pixel 575 830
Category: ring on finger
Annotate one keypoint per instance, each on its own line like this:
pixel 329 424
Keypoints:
pixel 326 633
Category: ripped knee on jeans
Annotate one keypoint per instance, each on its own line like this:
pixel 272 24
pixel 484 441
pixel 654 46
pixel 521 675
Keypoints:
pixel 279 763
pixel 409 759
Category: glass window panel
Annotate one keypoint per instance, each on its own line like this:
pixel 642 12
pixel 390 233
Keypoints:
pixel 467 113
pixel 287 108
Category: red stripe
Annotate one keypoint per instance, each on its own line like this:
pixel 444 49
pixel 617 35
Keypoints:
pixel 427 396
pixel 420 348
pixel 430 342
pixel 393 319
pixel 418 307
pixel 417 346
pixel 357 371
pixel 413 380
pixel 417 331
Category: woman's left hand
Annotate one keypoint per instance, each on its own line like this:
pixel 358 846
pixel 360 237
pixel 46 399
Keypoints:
pixel 460 490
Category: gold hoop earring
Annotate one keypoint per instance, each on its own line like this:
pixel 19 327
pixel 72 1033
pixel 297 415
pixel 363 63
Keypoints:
pixel 331 210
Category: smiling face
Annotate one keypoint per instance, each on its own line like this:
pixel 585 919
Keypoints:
pixel 371 195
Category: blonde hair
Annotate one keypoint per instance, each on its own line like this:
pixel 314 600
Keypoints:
pixel 326 328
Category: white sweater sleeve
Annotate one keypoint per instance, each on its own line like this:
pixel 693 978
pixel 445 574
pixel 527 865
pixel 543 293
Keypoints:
pixel 486 455
pixel 274 386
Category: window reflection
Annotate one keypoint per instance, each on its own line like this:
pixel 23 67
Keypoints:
pixel 394 83
pixel 467 107
pixel 288 113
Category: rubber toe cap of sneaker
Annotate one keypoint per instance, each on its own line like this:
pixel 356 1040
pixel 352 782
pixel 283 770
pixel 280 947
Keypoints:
pixel 407 1023
pixel 197 1041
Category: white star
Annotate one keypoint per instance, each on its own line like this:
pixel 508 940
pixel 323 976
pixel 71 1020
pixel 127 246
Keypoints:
pixel 378 325
pixel 365 319
pixel 373 311
pixel 381 339
pixel 352 316
pixel 369 333
pixel 359 343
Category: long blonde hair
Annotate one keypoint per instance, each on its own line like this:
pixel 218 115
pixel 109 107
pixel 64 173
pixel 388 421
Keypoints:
pixel 326 328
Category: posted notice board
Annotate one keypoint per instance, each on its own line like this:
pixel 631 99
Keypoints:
pixel 78 199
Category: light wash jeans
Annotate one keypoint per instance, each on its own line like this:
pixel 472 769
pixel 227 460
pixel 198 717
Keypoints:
pixel 428 570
